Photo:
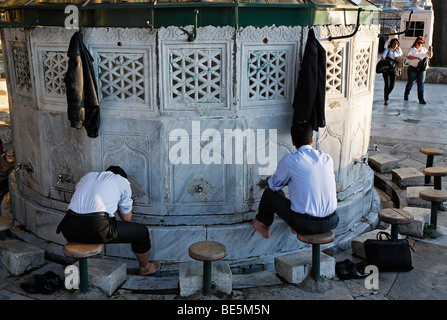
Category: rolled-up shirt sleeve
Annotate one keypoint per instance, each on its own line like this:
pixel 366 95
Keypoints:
pixel 125 203
pixel 280 178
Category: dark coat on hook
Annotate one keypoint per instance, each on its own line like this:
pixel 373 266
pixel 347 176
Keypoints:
pixel 310 93
pixel 81 88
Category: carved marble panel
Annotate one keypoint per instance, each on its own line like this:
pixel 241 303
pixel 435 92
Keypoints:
pixel 196 77
pixel 50 63
pixel 132 153
pixel 337 68
pixel 267 68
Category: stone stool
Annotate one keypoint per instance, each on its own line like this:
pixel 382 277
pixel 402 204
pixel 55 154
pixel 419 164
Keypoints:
pixel 82 251
pixel 395 217
pixel 316 240
pixel 207 251
pixel 435 197
pixel 430 152
pixel 6 223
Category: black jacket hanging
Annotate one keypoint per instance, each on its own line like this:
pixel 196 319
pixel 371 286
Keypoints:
pixel 81 88
pixel 310 93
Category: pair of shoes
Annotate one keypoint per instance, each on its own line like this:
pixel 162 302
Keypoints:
pixel 347 269
pixel 47 284
pixel 406 98
pixel 422 102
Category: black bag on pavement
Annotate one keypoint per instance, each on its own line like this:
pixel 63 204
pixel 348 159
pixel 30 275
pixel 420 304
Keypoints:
pixel 389 254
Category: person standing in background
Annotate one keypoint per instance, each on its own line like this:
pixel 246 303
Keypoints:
pixel 417 53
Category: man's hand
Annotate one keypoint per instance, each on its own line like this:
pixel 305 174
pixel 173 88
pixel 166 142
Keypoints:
pixel 125 217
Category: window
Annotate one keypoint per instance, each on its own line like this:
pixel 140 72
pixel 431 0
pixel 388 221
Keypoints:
pixel 416 29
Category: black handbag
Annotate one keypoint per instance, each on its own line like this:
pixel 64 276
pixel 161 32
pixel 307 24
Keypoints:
pixel 385 66
pixel 423 65
pixel 389 254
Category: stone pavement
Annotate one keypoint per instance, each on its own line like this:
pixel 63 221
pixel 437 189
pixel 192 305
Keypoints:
pixel 398 129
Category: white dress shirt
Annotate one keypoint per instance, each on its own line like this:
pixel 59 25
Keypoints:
pixel 421 53
pixel 309 174
pixel 102 192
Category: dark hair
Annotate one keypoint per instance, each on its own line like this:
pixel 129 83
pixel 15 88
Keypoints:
pixel 392 41
pixel 301 134
pixel 117 170
pixel 419 38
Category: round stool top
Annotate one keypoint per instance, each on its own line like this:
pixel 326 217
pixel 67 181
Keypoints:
pixel 431 151
pixel 6 223
pixel 319 238
pixel 395 216
pixel 433 195
pixel 81 250
pixel 207 251
pixel 435 171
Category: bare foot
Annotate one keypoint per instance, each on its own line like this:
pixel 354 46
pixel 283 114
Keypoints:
pixel 261 228
pixel 151 269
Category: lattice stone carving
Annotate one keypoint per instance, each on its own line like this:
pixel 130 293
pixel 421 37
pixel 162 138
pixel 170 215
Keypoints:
pixel 195 75
pixel 22 68
pixel 334 70
pixel 55 65
pixel 267 74
pixel 361 67
pixel 121 76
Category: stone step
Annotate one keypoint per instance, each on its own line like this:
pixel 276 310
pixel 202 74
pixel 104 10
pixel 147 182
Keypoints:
pixel 19 257
pixel 413 198
pixel 415 228
pixel 357 247
pixel 191 277
pixel 407 177
pixel 106 274
pixel 382 162
pixel 295 267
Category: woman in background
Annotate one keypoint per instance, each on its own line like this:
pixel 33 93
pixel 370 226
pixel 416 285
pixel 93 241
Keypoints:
pixel 417 52
pixel 392 53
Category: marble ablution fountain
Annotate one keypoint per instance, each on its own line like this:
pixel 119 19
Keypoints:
pixel 177 79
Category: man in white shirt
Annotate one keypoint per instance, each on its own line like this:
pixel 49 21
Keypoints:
pixel 309 174
pixel 91 215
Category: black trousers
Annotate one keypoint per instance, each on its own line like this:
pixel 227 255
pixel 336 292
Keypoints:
pixel 274 202
pixel 389 78
pixel 100 228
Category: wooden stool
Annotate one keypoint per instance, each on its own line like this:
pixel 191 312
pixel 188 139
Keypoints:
pixel 316 240
pixel 82 251
pixel 6 223
pixel 395 217
pixel 430 152
pixel 435 197
pixel 207 251
pixel 437 173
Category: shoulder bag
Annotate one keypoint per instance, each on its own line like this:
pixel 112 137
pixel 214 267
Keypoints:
pixel 389 254
pixel 423 65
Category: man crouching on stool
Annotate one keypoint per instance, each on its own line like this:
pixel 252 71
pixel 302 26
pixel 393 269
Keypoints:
pixel 91 216
pixel 309 174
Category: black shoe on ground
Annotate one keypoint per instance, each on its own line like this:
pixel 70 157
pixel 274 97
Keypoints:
pixel 422 102
pixel 406 98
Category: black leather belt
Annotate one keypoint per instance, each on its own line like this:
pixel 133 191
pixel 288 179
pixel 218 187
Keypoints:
pixel 310 217
pixel 93 214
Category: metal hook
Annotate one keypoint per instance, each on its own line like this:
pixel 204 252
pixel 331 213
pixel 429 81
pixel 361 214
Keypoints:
pixel 396 33
pixel 192 36
pixel 355 30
